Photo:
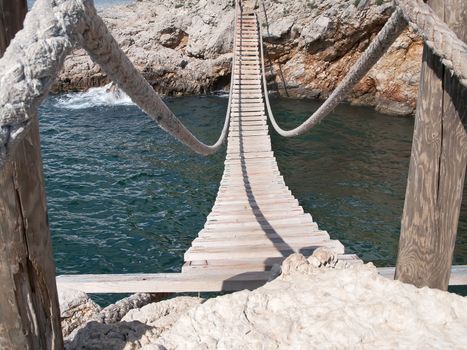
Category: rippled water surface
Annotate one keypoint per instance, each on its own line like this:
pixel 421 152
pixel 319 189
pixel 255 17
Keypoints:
pixel 125 197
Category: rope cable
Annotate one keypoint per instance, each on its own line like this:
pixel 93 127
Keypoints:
pixel 372 54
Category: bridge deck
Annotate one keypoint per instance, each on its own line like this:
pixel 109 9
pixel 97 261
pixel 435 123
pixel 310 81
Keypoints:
pixel 255 221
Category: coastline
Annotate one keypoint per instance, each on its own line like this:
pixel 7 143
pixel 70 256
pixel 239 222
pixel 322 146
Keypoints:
pixel 184 49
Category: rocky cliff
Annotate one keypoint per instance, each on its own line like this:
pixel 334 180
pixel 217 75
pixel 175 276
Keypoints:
pixel 184 47
pixel 315 303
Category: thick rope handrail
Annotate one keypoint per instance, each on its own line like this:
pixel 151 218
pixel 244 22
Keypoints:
pixel 36 55
pixel 437 35
pixel 372 54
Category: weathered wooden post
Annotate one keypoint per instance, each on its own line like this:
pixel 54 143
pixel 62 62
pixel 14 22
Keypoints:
pixel 437 166
pixel 29 313
pixel 12 13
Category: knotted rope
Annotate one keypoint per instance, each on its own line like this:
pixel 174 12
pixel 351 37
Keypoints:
pixel 372 54
pixel 35 57
pixel 437 36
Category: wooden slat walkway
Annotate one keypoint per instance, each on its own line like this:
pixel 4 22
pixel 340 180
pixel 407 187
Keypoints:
pixel 255 221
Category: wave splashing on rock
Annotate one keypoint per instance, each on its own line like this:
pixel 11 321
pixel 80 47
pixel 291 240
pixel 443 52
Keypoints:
pixel 109 95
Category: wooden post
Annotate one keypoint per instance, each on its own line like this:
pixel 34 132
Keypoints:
pixel 12 14
pixel 437 166
pixel 29 312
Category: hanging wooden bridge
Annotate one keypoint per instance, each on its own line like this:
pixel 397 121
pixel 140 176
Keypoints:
pixel 255 222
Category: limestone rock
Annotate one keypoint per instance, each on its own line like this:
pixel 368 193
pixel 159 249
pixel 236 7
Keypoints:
pixel 138 328
pixel 333 306
pixel 184 47
pixel 76 308
pixel 115 312
pixel 330 308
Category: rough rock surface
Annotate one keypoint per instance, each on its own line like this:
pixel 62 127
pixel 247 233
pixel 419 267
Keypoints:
pixel 324 308
pixel 139 327
pixel 318 302
pixel 184 47
pixel 76 308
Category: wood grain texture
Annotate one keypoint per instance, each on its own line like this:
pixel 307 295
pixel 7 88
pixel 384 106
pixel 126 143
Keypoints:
pixel 29 313
pixel 437 168
pixel 12 13
pixel 255 220
pixel 228 277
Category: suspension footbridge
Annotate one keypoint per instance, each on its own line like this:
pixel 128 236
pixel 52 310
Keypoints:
pixel 255 222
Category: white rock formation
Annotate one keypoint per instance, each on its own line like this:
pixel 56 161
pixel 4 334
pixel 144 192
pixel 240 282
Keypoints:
pixel 324 308
pixel 76 308
pixel 139 327
pixel 316 303
pixel 184 47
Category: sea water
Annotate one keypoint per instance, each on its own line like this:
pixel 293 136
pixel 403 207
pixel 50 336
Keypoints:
pixel 125 197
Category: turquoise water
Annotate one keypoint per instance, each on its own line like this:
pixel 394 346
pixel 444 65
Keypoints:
pixel 125 197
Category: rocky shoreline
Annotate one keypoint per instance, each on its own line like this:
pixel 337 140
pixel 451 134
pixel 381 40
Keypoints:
pixel 184 48
pixel 319 302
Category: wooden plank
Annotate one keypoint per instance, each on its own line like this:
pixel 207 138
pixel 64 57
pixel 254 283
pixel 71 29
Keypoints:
pixel 458 275
pixel 236 99
pixel 279 250
pixel 264 202
pixel 296 242
pixel 273 224
pixel 242 265
pixel 240 190
pixel 437 167
pixel 299 244
pixel 248 114
pixel 245 207
pixel 248 108
pixel 290 232
pixel 242 211
pixel 162 282
pixel 252 217
pixel 260 181
pixel 248 121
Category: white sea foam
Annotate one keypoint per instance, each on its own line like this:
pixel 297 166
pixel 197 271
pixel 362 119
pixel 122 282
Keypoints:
pixel 94 97
pixel 221 93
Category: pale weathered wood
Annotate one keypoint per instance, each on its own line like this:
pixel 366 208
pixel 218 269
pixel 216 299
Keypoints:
pixel 29 313
pixel 202 279
pixel 437 167
pixel 12 13
pixel 163 283
pixel 255 220
pixel 458 275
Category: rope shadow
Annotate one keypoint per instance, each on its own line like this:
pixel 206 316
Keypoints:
pixel 271 66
